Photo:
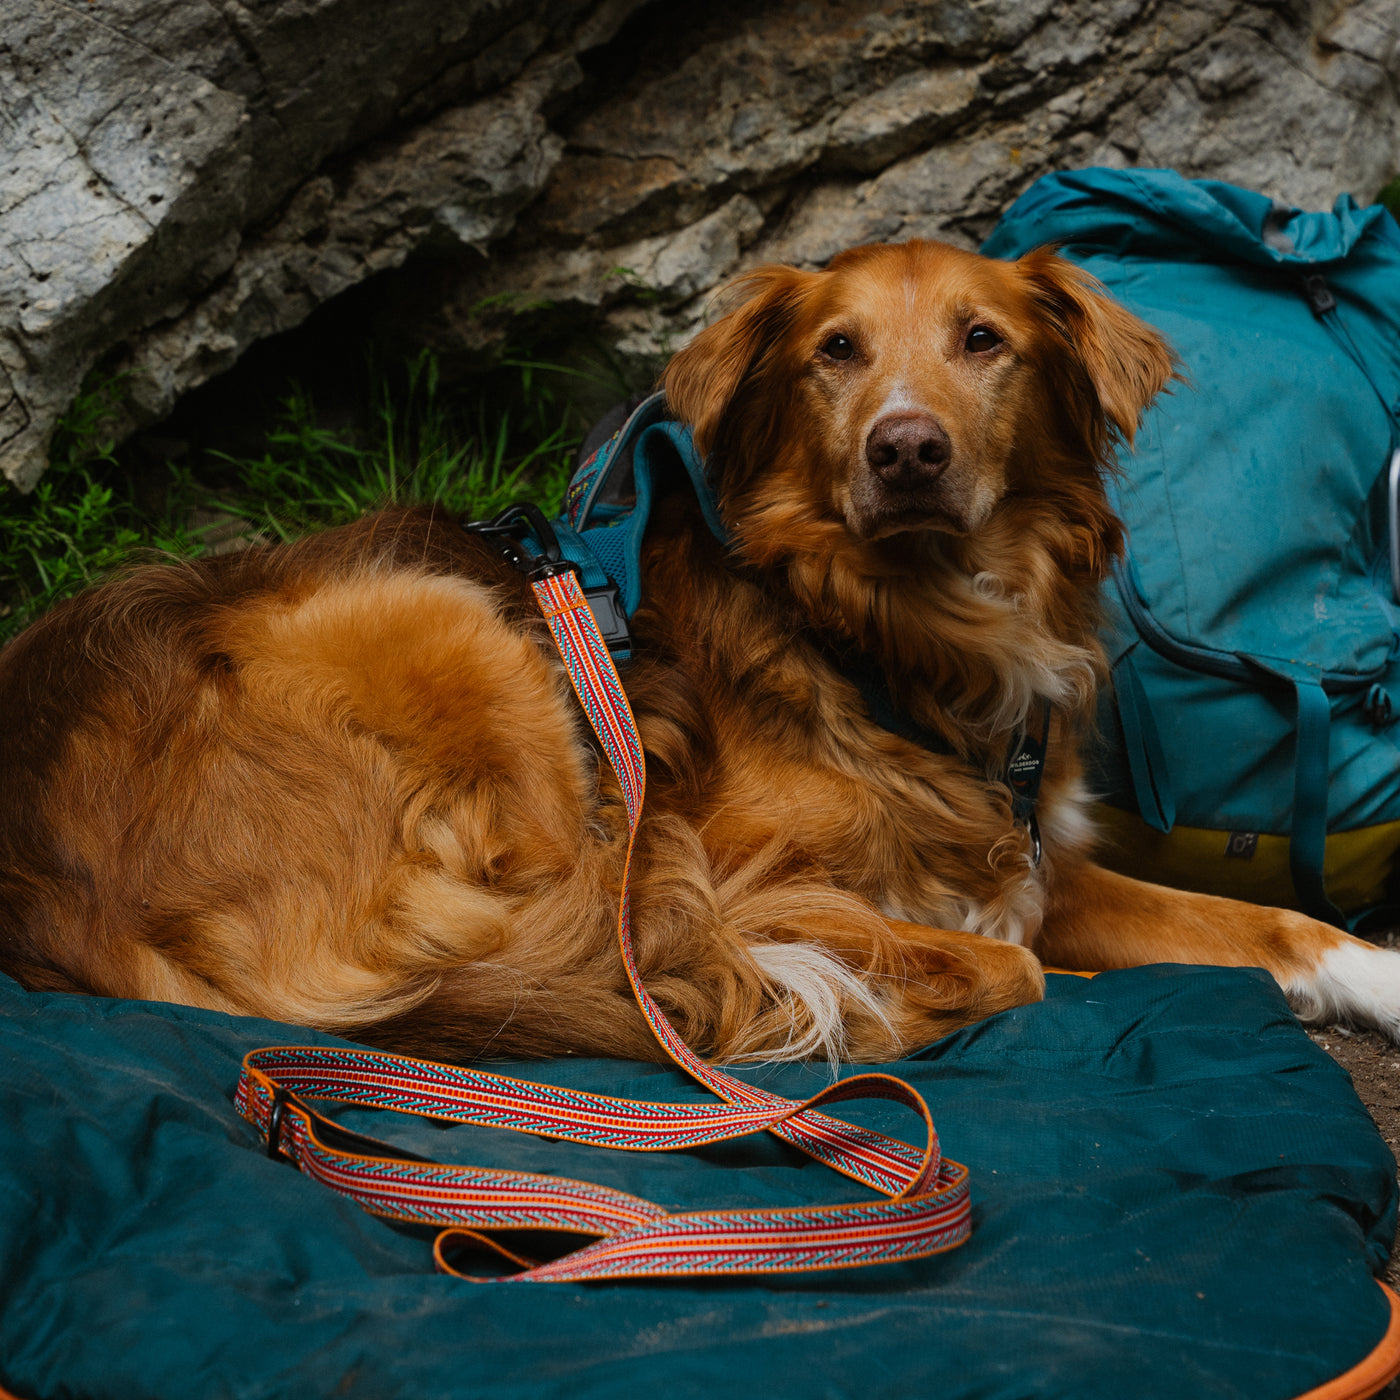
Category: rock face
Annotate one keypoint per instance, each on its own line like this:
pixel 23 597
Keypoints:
pixel 185 177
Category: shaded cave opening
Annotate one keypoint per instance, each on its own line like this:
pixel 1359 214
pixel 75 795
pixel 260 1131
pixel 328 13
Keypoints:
pixel 380 358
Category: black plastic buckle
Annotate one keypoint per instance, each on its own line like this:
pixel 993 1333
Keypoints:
pixel 606 605
pixel 1378 707
pixel 1319 294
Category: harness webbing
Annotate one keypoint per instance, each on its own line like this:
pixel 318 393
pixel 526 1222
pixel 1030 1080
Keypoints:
pixel 926 1209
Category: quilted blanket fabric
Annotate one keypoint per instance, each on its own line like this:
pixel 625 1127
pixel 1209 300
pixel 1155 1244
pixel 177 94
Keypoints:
pixel 1175 1193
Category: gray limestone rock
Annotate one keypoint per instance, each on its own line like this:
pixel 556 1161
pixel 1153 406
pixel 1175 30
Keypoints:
pixel 182 179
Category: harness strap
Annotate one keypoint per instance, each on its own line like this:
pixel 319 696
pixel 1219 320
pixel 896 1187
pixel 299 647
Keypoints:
pixel 1147 760
pixel 1307 843
pixel 865 673
pixel 926 1208
pixel 1025 758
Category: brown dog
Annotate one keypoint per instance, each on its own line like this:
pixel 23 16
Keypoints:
pixel 344 782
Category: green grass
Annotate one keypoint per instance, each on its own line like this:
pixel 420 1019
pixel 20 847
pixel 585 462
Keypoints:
pixel 1390 196
pixel 89 514
pixel 475 459
pixel 81 521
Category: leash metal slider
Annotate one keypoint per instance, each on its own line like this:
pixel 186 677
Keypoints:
pixel 280 1099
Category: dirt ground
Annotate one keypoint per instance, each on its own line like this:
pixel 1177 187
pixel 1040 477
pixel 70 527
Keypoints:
pixel 1374 1065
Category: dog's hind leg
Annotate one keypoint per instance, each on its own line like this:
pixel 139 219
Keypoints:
pixel 1099 920
pixel 836 976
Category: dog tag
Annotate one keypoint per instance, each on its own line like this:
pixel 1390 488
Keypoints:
pixel 1025 766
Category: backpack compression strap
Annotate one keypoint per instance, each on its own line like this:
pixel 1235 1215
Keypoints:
pixel 926 1207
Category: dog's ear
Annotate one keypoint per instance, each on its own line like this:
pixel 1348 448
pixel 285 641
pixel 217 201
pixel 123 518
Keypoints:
pixel 702 380
pixel 1127 361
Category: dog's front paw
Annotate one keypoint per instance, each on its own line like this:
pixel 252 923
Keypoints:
pixel 1353 982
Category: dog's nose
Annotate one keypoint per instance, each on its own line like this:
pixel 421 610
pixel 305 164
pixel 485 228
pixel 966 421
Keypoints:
pixel 908 450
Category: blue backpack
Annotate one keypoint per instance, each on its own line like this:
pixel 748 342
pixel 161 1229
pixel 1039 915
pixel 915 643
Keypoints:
pixel 1248 743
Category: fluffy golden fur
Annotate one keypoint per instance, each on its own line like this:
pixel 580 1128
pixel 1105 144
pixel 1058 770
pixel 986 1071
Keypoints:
pixel 344 782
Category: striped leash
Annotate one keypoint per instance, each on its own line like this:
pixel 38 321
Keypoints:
pixel 924 1206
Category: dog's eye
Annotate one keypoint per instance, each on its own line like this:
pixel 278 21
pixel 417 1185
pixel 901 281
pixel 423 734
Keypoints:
pixel 838 347
pixel 981 338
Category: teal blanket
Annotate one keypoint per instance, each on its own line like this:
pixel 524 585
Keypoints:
pixel 1176 1193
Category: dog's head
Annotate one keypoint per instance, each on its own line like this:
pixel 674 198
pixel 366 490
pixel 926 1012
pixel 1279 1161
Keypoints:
pixel 916 389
